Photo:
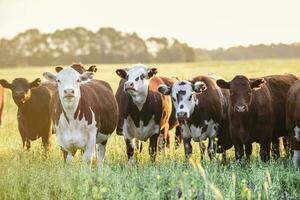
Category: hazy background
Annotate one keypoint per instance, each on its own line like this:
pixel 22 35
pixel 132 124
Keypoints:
pixel 179 31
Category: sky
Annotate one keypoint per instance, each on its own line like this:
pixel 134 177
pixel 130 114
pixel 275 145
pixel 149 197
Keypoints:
pixel 200 23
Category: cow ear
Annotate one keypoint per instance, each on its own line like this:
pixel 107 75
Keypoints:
pixel 164 89
pixel 223 84
pixel 50 76
pixel 152 72
pixel 92 68
pixel 58 68
pixel 199 87
pixel 122 73
pixel 35 83
pixel 257 83
pixel 5 84
pixel 86 76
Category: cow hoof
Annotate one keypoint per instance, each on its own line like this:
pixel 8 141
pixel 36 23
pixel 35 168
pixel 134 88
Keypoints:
pixel 131 161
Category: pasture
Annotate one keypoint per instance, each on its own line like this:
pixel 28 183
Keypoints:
pixel 36 175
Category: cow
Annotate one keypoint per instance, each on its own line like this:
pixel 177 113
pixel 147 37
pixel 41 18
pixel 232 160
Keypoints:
pixel 201 108
pixel 257 112
pixel 145 113
pixel 293 120
pixel 1 103
pixel 122 98
pixel 32 100
pixel 84 113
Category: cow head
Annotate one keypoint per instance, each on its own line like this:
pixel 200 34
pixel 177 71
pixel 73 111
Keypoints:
pixel 241 91
pixel 68 83
pixel 183 96
pixel 21 88
pixel 137 81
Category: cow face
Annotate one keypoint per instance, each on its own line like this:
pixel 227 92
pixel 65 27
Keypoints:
pixel 183 96
pixel 137 78
pixel 241 91
pixel 68 83
pixel 21 89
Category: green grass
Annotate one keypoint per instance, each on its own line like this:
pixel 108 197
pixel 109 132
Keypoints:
pixel 36 175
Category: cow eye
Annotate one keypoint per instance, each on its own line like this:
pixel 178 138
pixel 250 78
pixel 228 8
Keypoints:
pixel 78 80
pixel 137 79
pixel 190 98
pixel 173 99
pixel 58 81
pixel 142 76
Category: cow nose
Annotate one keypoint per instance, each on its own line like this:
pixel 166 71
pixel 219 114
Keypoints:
pixel 181 115
pixel 240 109
pixel 69 92
pixel 19 94
pixel 129 85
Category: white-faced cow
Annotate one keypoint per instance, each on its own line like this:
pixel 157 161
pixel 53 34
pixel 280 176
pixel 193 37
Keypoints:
pixel 33 109
pixel 257 112
pixel 145 113
pixel 201 108
pixel 84 113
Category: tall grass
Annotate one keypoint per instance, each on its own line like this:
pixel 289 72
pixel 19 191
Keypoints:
pixel 36 174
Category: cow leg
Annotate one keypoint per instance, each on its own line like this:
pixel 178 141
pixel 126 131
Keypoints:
pixel 178 137
pixel 248 150
pixel 138 145
pixel 287 146
pixel 129 150
pixel 211 148
pixel 46 141
pixel 275 148
pixel 265 148
pixel 153 146
pixel 239 151
pixel 101 155
pixel 202 147
pixel 188 149
pixel 90 148
pixel 164 140
pixel 27 144
pixel 224 159
pixel 296 147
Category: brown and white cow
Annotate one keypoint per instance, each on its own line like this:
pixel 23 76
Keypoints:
pixel 201 108
pixel 293 120
pixel 1 103
pixel 33 115
pixel 257 111
pixel 84 112
pixel 145 113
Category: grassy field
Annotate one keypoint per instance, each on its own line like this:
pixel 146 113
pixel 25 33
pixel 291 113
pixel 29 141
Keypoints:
pixel 36 175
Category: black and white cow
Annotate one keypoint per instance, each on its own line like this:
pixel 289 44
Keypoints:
pixel 201 108
pixel 144 112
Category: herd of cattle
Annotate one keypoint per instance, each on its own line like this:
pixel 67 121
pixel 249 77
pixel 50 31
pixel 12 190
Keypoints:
pixel 84 112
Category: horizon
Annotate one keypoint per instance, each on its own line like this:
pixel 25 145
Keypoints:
pixel 200 24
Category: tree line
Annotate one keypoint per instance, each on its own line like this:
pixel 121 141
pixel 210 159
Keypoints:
pixel 107 45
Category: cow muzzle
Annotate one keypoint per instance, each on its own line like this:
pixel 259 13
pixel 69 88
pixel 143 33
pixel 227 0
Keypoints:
pixel 69 93
pixel 241 108
pixel 129 86
pixel 181 115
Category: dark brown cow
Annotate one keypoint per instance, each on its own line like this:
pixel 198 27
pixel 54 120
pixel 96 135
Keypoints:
pixel 1 103
pixel 84 113
pixel 145 113
pixel 293 120
pixel 33 109
pixel 201 107
pixel 257 112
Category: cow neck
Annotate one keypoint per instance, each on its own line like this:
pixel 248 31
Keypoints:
pixel 69 111
pixel 140 99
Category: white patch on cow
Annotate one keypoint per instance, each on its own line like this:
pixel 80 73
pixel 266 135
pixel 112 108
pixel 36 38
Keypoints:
pixel 197 133
pixel 186 104
pixel 140 85
pixel 142 132
pixel 297 133
pixel 77 134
